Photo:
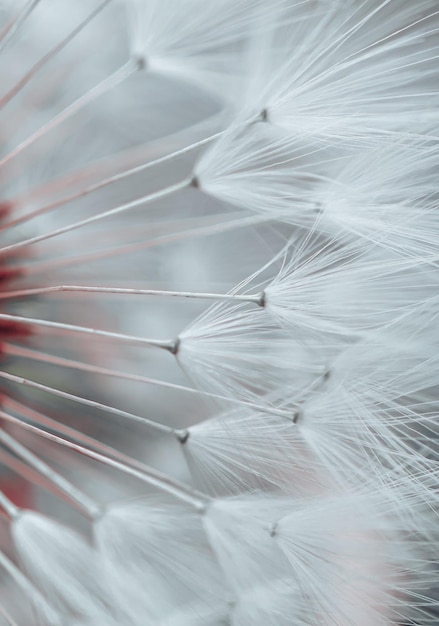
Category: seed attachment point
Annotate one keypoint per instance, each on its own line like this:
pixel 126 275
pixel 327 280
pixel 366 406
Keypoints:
pixel 182 435
pixel 195 182
pixel 140 62
pixel 262 299
pixel 174 346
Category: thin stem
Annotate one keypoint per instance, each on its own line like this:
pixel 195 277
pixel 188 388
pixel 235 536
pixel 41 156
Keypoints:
pixel 8 619
pixel 180 435
pixel 50 55
pixel 128 69
pixel 169 345
pixel 26 472
pixel 8 506
pixel 109 181
pixel 25 584
pixel 81 500
pixel 251 298
pixel 12 27
pixel 157 195
pixel 67 432
pixel 201 231
pixel 95 369
pixel 121 176
pixel 148 475
pixel 91 403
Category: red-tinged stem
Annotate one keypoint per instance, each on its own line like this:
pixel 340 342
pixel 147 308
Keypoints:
pixel 103 87
pixel 4 100
pixel 257 299
pixel 149 475
pixel 85 504
pixel 145 200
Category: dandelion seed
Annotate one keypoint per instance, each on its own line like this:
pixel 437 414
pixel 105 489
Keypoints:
pixel 349 74
pixel 241 352
pixel 342 290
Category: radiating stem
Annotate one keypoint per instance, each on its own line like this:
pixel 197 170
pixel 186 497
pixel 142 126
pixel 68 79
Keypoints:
pixel 95 369
pixel 79 498
pixel 168 344
pixel 8 619
pixel 8 506
pixel 91 403
pixel 64 432
pixel 157 195
pixel 4 100
pixel 103 87
pixel 148 475
pixel 22 469
pixel 109 181
pixel 251 298
pixel 201 231
pixel 120 176
pixel 12 27
pixel 20 579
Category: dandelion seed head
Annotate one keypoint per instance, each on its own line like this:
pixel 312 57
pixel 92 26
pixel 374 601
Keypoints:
pixel 218 285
